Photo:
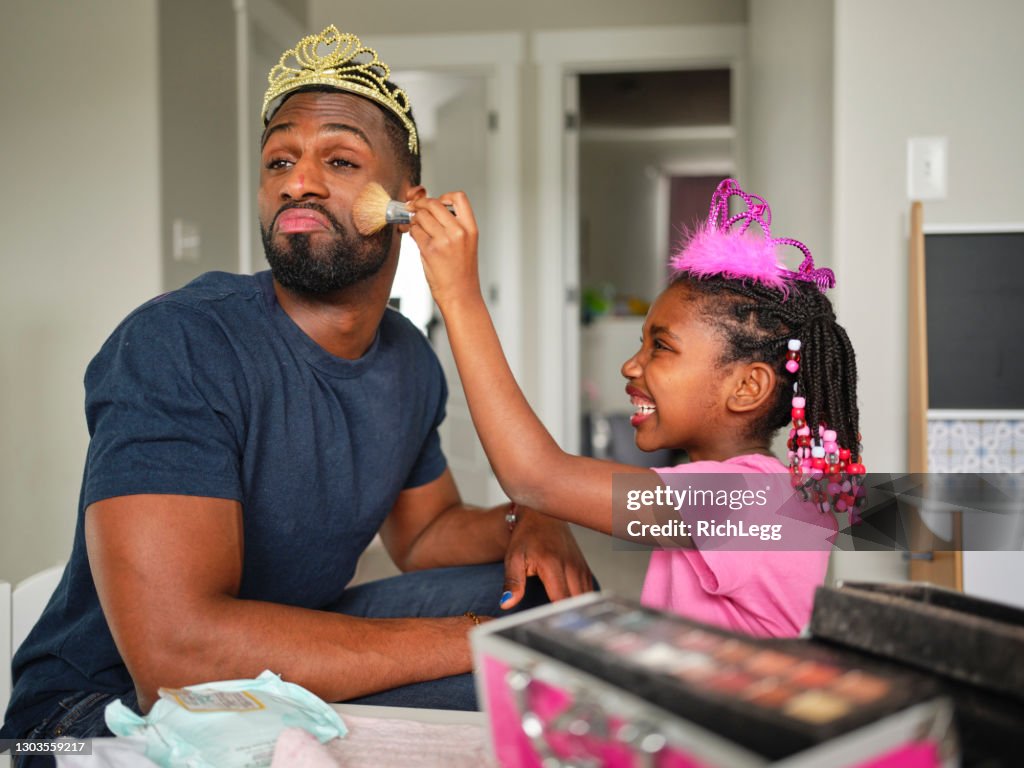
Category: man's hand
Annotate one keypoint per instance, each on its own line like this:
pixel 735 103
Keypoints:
pixel 543 546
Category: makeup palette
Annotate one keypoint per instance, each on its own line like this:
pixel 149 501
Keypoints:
pixel 730 698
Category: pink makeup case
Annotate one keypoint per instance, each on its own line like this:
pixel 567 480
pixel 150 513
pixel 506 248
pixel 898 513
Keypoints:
pixel 601 681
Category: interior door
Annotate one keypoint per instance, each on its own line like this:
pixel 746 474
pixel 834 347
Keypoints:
pixel 457 158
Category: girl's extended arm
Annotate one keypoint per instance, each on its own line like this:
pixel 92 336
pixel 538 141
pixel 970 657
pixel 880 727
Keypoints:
pixel 529 464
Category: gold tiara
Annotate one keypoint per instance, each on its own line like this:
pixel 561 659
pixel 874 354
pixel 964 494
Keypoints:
pixel 347 65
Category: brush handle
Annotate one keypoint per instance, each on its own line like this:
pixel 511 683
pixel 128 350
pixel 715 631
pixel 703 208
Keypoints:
pixel 399 213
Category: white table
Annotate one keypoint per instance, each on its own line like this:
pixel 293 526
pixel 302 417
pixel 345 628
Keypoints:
pixel 440 716
pixel 365 724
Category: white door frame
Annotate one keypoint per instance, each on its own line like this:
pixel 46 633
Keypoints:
pixel 273 22
pixel 560 56
pixel 498 58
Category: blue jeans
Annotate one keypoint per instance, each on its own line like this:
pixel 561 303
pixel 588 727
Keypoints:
pixel 79 715
pixel 431 593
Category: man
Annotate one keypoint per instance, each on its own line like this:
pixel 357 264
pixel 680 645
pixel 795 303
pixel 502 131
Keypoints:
pixel 252 434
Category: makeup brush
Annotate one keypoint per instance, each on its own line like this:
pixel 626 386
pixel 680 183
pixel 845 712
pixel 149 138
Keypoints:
pixel 373 209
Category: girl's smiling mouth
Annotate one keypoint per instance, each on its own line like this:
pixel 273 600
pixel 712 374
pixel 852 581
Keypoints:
pixel 642 404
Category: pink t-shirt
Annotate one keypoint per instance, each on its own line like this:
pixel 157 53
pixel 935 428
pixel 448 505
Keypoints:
pixel 767 594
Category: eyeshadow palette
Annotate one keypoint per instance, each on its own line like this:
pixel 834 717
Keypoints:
pixel 773 699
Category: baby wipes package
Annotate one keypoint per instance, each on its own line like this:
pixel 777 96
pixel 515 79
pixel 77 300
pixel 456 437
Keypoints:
pixel 227 724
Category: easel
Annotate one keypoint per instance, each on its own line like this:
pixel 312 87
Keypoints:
pixel 942 566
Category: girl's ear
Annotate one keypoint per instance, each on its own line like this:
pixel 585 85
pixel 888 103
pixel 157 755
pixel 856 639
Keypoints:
pixel 754 385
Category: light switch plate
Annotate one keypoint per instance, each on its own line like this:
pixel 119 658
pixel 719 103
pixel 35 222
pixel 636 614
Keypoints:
pixel 926 168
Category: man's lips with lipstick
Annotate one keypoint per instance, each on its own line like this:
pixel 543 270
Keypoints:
pixel 642 404
pixel 302 220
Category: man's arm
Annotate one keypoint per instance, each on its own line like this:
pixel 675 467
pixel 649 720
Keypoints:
pixel 430 527
pixel 168 569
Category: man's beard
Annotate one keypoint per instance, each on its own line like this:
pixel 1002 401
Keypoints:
pixel 340 262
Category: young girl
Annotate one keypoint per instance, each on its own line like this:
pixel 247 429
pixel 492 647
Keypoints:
pixel 734 349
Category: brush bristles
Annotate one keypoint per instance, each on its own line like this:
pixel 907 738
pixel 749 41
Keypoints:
pixel 369 211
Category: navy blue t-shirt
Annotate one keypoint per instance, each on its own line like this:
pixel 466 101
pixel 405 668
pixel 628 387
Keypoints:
pixel 212 390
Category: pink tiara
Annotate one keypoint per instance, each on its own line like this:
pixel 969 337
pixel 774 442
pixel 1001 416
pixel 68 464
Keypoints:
pixel 719 247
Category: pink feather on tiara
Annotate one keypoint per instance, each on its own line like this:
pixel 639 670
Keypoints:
pixel 736 255
pixel 724 246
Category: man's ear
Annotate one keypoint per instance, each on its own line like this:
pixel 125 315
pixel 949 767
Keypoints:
pixel 754 386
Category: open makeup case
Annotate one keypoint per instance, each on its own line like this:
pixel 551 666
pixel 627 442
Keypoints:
pixel 891 676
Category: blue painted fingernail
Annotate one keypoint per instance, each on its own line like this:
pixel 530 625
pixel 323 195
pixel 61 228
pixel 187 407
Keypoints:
pixel 505 598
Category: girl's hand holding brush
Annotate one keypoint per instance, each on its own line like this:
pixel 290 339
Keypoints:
pixel 448 247
pixel 373 209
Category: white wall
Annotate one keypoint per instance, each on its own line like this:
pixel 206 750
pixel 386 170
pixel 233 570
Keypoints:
pixel 836 88
pixel 917 68
pixel 834 94
pixel 79 214
pixel 199 134
pixel 789 120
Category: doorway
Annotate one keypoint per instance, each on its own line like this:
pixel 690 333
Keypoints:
pixel 568 145
pixel 652 147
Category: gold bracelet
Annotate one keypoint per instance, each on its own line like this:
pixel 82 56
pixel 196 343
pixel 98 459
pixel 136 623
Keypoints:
pixel 472 616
